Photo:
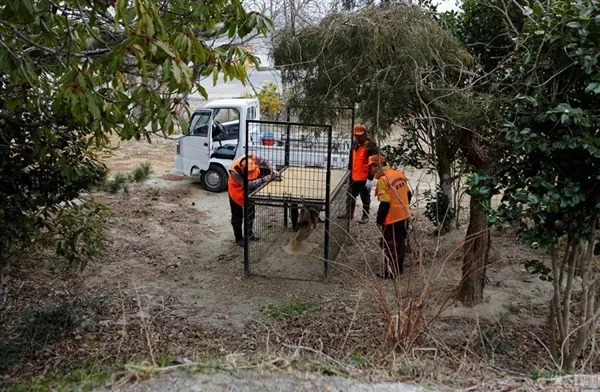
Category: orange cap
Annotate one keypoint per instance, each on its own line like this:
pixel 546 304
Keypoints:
pixel 376 159
pixel 359 129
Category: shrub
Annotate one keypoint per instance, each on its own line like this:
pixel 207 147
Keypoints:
pixel 78 232
pixel 49 324
pixel 141 172
pixel 271 102
pixel 439 210
pixel 117 183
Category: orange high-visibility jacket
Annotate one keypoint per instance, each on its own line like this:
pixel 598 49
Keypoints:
pixel 392 187
pixel 236 190
pixel 360 159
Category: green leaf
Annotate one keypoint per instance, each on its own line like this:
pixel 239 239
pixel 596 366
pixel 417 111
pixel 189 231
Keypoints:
pixel 93 106
pixel 215 76
pixel 538 9
pixel 591 87
pixel 176 71
pixel 232 29
pixel 149 24
pixel 29 5
pixel 586 12
pixel 165 48
pixel 574 25
pixel 167 69
pixel 202 91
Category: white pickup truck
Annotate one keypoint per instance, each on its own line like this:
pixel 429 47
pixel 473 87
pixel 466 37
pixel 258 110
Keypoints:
pixel 216 137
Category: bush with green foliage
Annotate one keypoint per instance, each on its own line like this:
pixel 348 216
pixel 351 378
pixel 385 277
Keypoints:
pixel 439 210
pixel 72 73
pixel 47 325
pixel 271 102
pixel 551 169
pixel 121 181
pixel 41 168
pixel 141 172
pixel 76 231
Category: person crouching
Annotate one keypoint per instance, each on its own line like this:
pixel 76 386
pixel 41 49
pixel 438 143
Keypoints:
pixel 239 169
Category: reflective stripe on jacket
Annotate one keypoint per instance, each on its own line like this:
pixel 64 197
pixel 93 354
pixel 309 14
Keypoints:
pixel 392 187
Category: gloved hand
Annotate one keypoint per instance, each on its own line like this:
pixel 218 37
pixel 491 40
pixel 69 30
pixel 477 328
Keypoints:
pixel 274 172
pixel 369 184
pixel 267 178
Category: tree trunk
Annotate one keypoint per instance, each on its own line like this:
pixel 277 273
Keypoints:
pixel 445 175
pixel 445 152
pixel 475 256
pixel 477 241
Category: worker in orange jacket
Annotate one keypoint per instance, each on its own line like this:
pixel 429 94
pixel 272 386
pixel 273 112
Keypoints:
pixel 393 216
pixel 240 168
pixel 361 181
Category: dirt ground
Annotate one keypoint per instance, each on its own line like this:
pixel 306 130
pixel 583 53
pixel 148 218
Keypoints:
pixel 172 286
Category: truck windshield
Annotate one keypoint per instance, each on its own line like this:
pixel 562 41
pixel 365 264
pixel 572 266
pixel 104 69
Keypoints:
pixel 199 123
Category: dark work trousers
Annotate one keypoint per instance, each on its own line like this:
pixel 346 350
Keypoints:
pixel 394 246
pixel 237 218
pixel 359 188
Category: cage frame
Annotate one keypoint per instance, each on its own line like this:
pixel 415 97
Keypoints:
pixel 251 197
pixel 333 108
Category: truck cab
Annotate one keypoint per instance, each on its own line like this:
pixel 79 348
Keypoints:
pixel 214 139
pixel 216 136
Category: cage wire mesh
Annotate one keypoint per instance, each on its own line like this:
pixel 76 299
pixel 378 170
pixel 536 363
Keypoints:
pixel 342 120
pixel 339 212
pixel 309 167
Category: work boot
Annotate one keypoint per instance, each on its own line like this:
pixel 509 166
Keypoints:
pixel 240 242
pixel 365 218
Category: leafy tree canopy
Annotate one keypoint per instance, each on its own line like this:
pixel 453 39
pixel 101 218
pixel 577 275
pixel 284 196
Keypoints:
pixel 551 172
pixel 390 60
pixel 487 28
pixel 74 71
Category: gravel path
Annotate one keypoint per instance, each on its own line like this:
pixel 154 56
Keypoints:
pixel 264 382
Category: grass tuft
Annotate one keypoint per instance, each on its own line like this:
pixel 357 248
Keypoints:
pixel 117 183
pixel 290 309
pixel 141 172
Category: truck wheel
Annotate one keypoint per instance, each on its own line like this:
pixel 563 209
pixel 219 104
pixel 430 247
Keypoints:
pixel 214 179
